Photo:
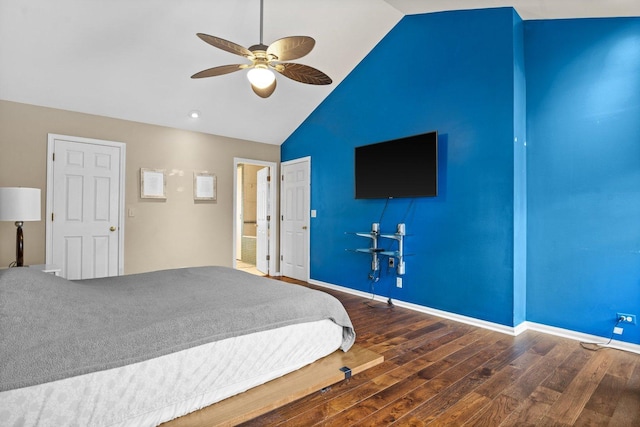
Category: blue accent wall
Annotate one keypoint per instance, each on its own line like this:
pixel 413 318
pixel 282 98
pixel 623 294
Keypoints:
pixel 538 212
pixel 452 72
pixel 583 93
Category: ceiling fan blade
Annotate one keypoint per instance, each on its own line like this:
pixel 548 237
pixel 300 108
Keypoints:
pixel 265 92
pixel 289 48
pixel 303 74
pixel 225 45
pixel 218 71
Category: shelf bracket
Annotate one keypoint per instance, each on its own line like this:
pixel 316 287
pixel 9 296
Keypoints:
pixel 375 251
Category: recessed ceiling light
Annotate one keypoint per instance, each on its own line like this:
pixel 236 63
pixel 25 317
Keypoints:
pixel 194 114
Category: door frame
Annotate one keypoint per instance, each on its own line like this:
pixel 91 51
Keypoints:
pixel 52 137
pixel 307 190
pixel 273 213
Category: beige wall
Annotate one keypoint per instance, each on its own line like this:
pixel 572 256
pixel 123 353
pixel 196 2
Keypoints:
pixel 173 233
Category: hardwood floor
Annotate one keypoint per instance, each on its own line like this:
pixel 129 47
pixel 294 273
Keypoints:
pixel 441 372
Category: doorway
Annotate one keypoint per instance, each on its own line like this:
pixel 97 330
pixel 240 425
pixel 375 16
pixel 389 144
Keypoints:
pixel 255 228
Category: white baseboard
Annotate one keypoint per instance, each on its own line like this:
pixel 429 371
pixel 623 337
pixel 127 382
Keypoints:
pixel 582 337
pixel 509 330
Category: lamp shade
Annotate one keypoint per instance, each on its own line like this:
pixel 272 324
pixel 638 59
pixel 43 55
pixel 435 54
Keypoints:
pixel 19 204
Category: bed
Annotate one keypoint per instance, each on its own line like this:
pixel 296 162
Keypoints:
pixel 142 349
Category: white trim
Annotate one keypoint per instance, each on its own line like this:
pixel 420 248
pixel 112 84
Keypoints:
pixel 122 147
pixel 518 329
pixel 582 337
pixel 423 309
pixel 274 223
pixel 509 330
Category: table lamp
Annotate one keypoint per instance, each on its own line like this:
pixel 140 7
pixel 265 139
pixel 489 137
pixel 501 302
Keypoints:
pixel 19 204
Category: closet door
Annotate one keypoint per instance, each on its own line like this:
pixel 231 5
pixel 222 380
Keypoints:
pixel 85 201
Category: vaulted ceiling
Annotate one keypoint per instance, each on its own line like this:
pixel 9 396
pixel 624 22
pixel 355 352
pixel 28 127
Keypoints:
pixel 133 60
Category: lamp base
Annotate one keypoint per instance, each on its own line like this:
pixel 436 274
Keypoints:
pixel 19 245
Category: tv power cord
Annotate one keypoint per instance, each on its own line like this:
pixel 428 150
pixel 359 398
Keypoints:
pixel 598 346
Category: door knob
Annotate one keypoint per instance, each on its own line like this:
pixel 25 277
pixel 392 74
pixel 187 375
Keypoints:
pixel 304 227
pixel 112 228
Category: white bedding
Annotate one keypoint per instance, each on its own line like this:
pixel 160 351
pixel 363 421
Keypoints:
pixel 160 389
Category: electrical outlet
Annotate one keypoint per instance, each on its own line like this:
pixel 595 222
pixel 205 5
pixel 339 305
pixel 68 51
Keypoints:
pixel 399 282
pixel 626 318
pixel 392 262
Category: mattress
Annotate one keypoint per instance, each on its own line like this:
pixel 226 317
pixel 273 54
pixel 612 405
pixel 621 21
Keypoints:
pixel 54 328
pixel 142 349
pixel 153 391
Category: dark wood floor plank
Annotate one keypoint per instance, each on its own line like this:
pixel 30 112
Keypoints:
pixel 404 402
pixel 532 409
pixel 494 413
pixel 375 385
pixel 495 385
pixel 566 372
pixel 593 419
pixel 624 363
pixel 503 405
pixel 440 372
pixel 410 375
pixel 461 380
pixel 464 409
pixel 605 398
pixel 322 405
pixel 511 365
pixel 627 412
pixel 575 396
pixel 434 378
pixel 539 371
pixel 415 389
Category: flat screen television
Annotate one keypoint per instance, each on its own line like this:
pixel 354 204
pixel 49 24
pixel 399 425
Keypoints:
pixel 404 167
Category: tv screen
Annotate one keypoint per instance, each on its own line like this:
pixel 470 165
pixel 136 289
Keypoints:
pixel 404 167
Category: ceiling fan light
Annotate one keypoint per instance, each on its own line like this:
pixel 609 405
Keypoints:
pixel 261 77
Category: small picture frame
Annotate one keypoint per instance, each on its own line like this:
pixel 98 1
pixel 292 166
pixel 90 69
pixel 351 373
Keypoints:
pixel 153 183
pixel 204 186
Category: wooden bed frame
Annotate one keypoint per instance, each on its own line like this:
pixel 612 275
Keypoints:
pixel 276 393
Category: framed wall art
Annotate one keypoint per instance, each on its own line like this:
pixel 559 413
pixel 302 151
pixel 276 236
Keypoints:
pixel 153 183
pixel 204 186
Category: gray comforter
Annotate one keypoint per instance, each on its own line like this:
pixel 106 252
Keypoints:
pixel 52 328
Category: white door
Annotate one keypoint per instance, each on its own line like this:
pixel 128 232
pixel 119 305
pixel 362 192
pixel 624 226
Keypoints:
pixel 295 205
pixel 262 221
pixel 84 197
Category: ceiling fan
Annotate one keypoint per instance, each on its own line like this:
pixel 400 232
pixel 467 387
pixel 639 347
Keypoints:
pixel 264 59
